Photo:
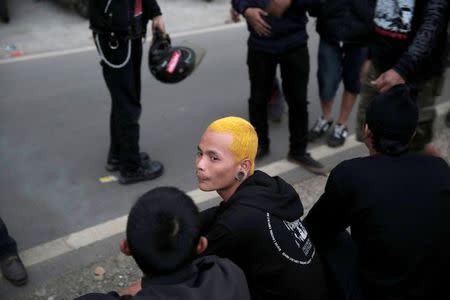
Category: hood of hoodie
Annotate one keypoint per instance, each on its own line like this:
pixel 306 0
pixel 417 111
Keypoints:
pixel 269 194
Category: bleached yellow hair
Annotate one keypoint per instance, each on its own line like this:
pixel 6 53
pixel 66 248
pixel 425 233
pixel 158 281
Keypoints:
pixel 245 139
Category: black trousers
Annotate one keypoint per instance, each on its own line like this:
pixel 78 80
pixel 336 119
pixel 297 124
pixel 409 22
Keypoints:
pixel 7 243
pixel 124 85
pixel 294 67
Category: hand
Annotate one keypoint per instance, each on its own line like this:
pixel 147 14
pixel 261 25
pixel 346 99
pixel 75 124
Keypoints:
pixel 132 290
pixel 254 17
pixel 158 22
pixel 234 15
pixel 387 80
pixel 277 7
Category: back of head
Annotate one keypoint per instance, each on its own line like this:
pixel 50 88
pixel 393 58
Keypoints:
pixel 245 139
pixel 392 118
pixel 163 230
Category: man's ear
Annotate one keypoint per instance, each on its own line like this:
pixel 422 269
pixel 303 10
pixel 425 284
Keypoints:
pixel 202 245
pixel 246 166
pixel 124 247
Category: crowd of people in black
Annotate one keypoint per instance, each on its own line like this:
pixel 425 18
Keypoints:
pixel 380 230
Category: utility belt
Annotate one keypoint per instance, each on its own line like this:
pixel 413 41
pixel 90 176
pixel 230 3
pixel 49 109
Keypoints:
pixel 115 50
pixel 114 27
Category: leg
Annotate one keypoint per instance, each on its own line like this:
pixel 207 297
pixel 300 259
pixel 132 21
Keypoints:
pixel 8 245
pixel 348 100
pixel 329 74
pixel 125 109
pixel 11 265
pixel 294 67
pixel 367 94
pixel 294 74
pixel 276 102
pixel 328 77
pixel 427 93
pixel 354 57
pixel 261 69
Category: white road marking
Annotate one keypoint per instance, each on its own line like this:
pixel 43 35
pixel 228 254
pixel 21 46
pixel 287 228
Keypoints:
pixel 112 227
pixel 91 48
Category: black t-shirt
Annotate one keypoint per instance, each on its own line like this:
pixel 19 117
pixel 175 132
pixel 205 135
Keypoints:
pixel 398 210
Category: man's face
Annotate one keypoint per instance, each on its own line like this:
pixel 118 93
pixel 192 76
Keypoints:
pixel 215 163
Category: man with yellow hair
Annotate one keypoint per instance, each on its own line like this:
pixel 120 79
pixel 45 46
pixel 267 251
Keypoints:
pixel 257 225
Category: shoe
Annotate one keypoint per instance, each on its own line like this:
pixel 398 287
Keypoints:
pixel 113 164
pixel 306 161
pixel 14 270
pixel 149 171
pixel 319 129
pixel 338 136
pixel 263 150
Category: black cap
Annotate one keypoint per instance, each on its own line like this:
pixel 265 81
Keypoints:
pixel 393 114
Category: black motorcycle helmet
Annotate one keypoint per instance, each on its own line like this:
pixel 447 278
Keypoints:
pixel 170 64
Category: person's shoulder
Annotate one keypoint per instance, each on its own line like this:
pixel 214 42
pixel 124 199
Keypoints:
pixel 225 264
pixel 99 296
pixel 350 165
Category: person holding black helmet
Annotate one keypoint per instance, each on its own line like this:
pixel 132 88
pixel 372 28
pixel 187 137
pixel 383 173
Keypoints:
pixel 119 28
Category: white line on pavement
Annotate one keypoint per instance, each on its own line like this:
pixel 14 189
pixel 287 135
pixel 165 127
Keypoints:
pixel 90 48
pixel 112 227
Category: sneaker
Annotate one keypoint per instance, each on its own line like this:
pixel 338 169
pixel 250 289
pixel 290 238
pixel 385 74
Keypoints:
pixel 149 171
pixel 337 138
pixel 263 150
pixel 306 161
pixel 319 129
pixel 13 269
pixel 113 164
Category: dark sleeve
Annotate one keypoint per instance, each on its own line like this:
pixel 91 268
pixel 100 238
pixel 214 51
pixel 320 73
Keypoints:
pixel 221 242
pixel 151 8
pixel 207 217
pixel 241 5
pixel 427 38
pixel 330 214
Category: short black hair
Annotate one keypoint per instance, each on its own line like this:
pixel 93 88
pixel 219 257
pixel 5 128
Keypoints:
pixel 392 118
pixel 163 230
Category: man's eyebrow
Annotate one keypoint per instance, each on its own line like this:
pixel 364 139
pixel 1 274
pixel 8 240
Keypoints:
pixel 209 152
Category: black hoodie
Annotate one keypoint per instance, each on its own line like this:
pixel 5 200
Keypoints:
pixel 259 229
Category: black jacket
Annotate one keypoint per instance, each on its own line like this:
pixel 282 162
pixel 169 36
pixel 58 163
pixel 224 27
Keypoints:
pixel 348 21
pixel 421 55
pixel 209 277
pixel 259 228
pixel 116 16
pixel 398 210
pixel 288 31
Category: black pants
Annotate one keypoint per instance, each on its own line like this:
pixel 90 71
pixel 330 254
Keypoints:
pixel 124 85
pixel 7 244
pixel 294 67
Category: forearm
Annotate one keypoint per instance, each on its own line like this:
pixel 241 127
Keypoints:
pixel 426 39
